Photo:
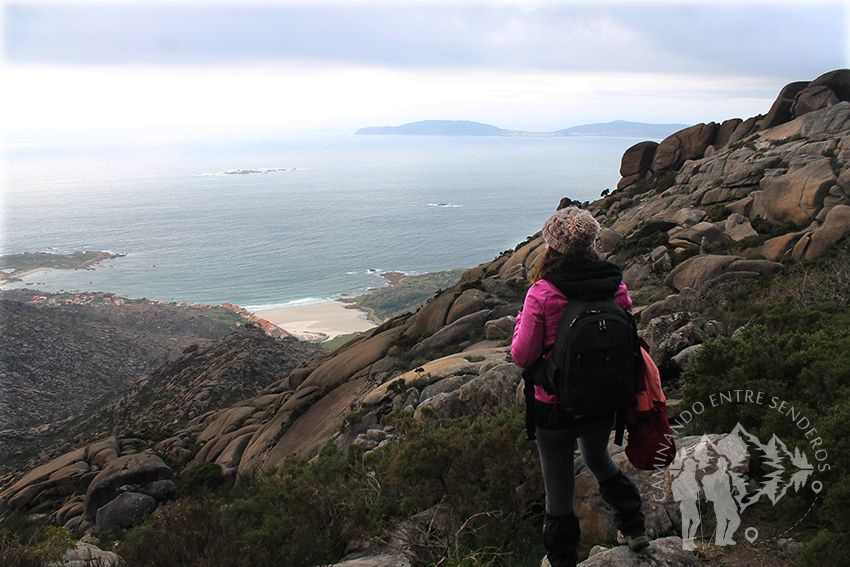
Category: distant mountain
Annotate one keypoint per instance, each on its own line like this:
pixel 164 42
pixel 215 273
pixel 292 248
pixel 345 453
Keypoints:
pixel 437 128
pixel 623 129
pixel 618 128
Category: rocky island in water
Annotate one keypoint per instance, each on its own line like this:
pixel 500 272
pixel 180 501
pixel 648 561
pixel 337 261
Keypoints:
pixel 13 267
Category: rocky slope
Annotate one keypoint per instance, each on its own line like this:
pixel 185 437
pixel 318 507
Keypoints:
pixel 703 212
pixel 205 376
pixel 58 361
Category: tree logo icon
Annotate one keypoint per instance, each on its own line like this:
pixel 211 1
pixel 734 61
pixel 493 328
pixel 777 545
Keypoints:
pixel 708 471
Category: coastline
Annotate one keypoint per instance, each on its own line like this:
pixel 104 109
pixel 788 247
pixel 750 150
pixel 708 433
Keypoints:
pixel 16 276
pixel 320 321
pixel 326 319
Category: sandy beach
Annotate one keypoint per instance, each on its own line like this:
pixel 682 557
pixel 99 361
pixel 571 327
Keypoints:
pixel 9 278
pixel 318 321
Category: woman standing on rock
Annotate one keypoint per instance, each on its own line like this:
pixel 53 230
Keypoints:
pixel 570 268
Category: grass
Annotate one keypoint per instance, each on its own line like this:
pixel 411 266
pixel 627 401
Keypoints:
pixel 338 341
pixel 408 295
pixel 35 260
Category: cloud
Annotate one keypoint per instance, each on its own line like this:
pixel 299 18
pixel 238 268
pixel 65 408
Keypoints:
pixel 520 65
pixel 353 97
pixel 662 37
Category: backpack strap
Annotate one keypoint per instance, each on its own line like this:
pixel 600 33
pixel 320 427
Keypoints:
pixel 530 416
pixel 619 427
pixel 530 377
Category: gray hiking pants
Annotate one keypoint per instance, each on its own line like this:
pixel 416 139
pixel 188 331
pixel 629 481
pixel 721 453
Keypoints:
pixel 557 452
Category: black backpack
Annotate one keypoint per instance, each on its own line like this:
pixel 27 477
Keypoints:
pixel 594 366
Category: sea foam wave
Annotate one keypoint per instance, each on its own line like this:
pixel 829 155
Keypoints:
pixel 290 304
pixel 244 171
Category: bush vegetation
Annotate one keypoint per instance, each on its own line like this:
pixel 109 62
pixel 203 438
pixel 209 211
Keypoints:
pixel 795 347
pixel 408 295
pixel 657 183
pixel 25 542
pixel 479 479
pixel 803 374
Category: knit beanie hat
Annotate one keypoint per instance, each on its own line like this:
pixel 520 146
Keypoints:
pixel 571 231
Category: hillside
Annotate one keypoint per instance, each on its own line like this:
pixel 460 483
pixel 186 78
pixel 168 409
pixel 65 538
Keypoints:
pixel 405 442
pixel 623 129
pixel 59 361
pixel 203 377
pixel 618 128
pixel 15 266
pixel 407 295
pixel 435 128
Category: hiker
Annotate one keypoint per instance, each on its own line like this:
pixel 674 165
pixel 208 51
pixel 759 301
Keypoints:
pixel 570 268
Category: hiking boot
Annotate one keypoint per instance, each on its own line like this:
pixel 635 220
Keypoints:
pixel 635 542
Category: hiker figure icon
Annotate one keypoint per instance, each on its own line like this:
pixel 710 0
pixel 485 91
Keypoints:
pixel 686 491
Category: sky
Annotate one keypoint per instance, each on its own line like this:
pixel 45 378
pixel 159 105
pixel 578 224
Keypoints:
pixel 324 64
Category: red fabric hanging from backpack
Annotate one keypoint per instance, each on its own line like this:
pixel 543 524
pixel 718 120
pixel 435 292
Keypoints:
pixel 650 445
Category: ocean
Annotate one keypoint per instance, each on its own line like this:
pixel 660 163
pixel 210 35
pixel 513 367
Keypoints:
pixel 267 219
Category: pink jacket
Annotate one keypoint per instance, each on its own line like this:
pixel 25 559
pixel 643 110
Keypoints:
pixel 537 325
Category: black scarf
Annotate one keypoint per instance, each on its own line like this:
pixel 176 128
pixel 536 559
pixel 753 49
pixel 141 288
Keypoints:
pixel 594 279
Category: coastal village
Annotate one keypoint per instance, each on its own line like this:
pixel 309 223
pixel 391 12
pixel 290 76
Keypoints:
pixel 108 300
pixel 16 266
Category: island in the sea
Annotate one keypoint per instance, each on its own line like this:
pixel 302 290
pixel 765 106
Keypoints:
pixel 15 266
pixel 617 128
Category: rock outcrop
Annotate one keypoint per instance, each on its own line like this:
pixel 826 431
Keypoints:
pixel 664 552
pixel 103 486
pixel 780 193
pixel 86 555
pixel 701 140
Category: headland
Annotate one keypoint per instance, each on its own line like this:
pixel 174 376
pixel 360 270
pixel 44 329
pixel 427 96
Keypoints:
pixel 16 266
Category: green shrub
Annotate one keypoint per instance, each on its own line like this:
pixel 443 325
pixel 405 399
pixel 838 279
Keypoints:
pixel 657 183
pixel 653 241
pixel 623 250
pixel 482 475
pixel 826 548
pixel 202 478
pixel 772 164
pixel 354 417
pixel 189 533
pixel 299 515
pixel 688 252
pixel 719 212
pixel 804 371
pixel 490 557
pixel 25 542
pixel 749 142
pixel 789 139
pixel 484 470
pixel 772 229
pixel 609 202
